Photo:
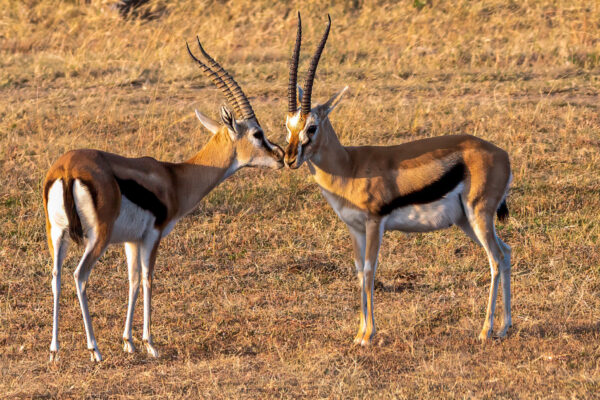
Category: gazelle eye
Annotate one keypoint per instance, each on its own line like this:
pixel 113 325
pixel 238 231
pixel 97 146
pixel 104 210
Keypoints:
pixel 311 130
pixel 257 135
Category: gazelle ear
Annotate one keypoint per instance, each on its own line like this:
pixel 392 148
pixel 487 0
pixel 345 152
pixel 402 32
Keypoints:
pixel 300 93
pixel 229 121
pixel 207 122
pixel 332 103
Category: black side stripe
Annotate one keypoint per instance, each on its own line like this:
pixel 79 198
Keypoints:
pixel 143 198
pixel 430 193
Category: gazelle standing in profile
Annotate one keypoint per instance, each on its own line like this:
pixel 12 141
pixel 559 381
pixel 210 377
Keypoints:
pixel 100 198
pixel 418 186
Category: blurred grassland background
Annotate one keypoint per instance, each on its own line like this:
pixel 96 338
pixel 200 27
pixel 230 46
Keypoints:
pixel 255 294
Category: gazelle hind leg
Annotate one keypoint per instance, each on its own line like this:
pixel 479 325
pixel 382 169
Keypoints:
pixel 94 249
pixel 358 245
pixel 465 226
pixel 505 282
pixel 482 224
pixel 132 251
pixel 60 245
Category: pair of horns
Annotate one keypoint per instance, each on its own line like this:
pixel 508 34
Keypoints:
pixel 221 78
pixel 310 77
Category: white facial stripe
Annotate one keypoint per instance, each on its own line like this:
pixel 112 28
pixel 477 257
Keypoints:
pixel 294 119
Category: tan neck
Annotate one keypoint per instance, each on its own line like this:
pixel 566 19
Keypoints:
pixel 203 172
pixel 331 161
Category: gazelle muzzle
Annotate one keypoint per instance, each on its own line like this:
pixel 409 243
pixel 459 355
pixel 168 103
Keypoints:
pixel 293 152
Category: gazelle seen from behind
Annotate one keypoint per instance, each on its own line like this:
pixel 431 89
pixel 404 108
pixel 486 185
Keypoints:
pixel 101 198
pixel 418 186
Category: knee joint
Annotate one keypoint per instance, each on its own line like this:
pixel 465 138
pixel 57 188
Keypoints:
pixel 369 268
pixel 495 272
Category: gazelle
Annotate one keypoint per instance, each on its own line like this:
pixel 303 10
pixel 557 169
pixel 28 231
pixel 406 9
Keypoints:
pixel 101 198
pixel 419 186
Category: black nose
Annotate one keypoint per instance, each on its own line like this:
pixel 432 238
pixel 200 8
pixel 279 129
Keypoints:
pixel 291 163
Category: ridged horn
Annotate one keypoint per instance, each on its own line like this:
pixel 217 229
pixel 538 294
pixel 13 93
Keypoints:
pixel 216 79
pixel 242 101
pixel 292 104
pixel 310 77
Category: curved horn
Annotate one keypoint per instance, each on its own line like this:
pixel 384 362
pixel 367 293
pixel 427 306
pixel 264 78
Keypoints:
pixel 216 79
pixel 310 77
pixel 292 105
pixel 240 97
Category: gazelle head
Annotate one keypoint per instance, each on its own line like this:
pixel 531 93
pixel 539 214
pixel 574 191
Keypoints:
pixel 303 123
pixel 245 135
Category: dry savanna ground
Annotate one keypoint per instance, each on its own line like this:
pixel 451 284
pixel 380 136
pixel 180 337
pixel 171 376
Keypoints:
pixel 255 294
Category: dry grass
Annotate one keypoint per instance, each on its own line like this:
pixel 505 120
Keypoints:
pixel 255 292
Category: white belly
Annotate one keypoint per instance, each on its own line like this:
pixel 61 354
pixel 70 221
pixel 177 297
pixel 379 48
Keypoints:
pixel 432 216
pixel 132 224
pixel 427 217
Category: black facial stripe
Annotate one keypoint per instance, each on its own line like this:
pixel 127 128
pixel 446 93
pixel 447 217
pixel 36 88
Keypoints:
pixel 430 193
pixel 143 198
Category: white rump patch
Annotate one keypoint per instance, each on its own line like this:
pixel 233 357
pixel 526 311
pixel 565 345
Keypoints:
pixel 56 206
pixel 85 208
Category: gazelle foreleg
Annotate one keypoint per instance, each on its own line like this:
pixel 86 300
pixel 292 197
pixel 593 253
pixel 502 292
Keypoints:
pixel 132 251
pixel 358 245
pixel 148 257
pixel 60 245
pixel 374 232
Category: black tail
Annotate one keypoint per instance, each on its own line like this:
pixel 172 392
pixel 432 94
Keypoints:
pixel 75 230
pixel 502 211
